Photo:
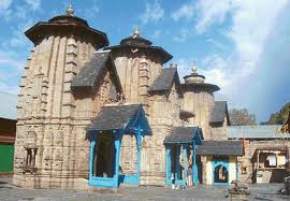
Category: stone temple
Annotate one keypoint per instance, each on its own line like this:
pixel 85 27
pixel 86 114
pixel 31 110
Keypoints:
pixel 94 115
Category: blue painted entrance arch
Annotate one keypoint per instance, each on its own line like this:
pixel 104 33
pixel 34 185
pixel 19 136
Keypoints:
pixel 136 125
pixel 221 165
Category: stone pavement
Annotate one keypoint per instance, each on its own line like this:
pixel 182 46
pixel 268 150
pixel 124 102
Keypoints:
pixel 9 192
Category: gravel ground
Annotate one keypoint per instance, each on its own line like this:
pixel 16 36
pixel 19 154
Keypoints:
pixel 9 192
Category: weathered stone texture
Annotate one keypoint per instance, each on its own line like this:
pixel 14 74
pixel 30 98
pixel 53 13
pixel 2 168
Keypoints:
pixel 248 163
pixel 52 119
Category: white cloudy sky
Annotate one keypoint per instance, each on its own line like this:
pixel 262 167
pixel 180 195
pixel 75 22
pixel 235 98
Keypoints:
pixel 241 45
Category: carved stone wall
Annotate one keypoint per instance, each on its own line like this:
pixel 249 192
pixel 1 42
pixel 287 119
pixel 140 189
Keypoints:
pixel 201 103
pixel 58 118
pixel 136 72
pixel 163 116
pixel 128 156
pixel 219 131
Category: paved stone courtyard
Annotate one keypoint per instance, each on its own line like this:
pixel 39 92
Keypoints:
pixel 9 192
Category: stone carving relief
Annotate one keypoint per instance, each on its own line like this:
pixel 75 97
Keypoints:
pixel 30 152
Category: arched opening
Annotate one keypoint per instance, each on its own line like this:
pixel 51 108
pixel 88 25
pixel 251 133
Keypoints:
pixel 221 174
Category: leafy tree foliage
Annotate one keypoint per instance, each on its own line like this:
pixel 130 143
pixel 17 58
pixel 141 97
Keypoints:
pixel 281 116
pixel 241 117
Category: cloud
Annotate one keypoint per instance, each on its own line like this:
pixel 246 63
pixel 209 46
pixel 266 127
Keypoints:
pixel 92 12
pixel 10 69
pixel 205 12
pixel 6 59
pixel 17 38
pixel 34 4
pixel 5 4
pixel 153 12
pixel 156 34
pixel 182 35
pixel 212 12
pixel 241 72
pixel 185 11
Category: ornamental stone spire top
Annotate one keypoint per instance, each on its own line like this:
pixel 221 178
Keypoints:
pixel 194 69
pixel 194 77
pixel 136 32
pixel 70 11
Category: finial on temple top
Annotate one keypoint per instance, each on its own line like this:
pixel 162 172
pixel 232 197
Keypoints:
pixel 194 69
pixel 70 11
pixel 136 32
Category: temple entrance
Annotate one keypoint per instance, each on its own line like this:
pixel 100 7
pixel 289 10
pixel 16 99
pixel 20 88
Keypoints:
pixel 104 157
pixel 178 164
pixel 176 170
pixel 220 170
pixel 199 169
pixel 115 145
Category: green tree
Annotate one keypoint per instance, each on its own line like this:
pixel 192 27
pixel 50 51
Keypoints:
pixel 241 117
pixel 281 116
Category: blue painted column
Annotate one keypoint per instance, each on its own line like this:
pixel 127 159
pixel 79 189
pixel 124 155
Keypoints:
pixel 177 170
pixel 139 147
pixel 194 166
pixel 117 158
pixel 168 166
pixel 92 155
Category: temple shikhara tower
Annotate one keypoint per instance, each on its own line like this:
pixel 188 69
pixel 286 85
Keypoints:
pixel 94 115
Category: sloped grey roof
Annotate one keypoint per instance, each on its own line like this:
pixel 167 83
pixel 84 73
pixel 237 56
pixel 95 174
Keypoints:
pixel 219 112
pixel 8 105
pixel 182 135
pixel 136 41
pixel 164 80
pixel 257 132
pixel 71 24
pixel 90 73
pixel 221 148
pixel 204 86
pixel 143 44
pixel 115 117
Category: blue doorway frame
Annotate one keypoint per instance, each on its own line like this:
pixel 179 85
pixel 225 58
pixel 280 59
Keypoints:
pixel 105 181
pixel 136 125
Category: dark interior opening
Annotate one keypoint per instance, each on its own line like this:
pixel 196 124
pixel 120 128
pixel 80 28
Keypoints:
pixel 176 168
pixel 104 155
pixel 221 174
pixel 199 167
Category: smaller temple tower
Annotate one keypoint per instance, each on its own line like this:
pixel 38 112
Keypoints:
pixel 138 64
pixel 199 100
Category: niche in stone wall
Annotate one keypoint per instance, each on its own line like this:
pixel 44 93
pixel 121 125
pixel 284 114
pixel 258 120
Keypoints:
pixel 47 158
pixel 30 159
pixel 58 138
pixel 30 152
pixel 58 160
pixel 37 85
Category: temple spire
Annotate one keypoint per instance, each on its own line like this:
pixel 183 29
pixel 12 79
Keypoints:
pixel 194 68
pixel 136 32
pixel 70 11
